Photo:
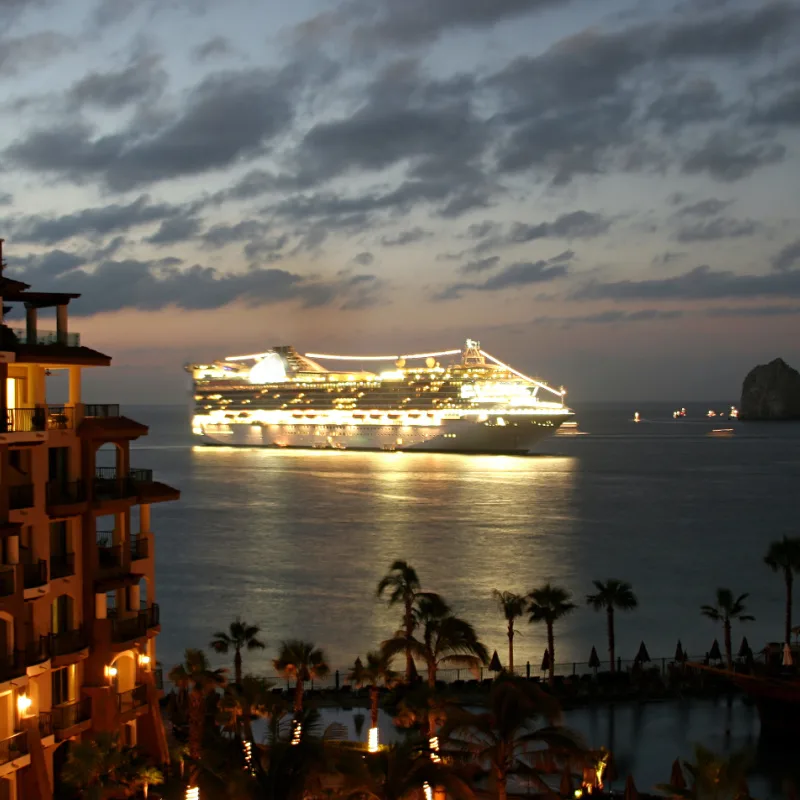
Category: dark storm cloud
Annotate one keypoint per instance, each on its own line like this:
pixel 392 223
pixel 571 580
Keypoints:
pixel 364 259
pixel 783 110
pixel 729 157
pixel 612 317
pixel 223 233
pixel 698 100
pixel 50 264
pixel 700 283
pixel 100 221
pixel 212 48
pixel 154 285
pixel 719 228
pixel 6 198
pixel 409 236
pixel 175 230
pixel 23 53
pixel 266 248
pixel 668 257
pixel 229 117
pixel 519 274
pixel 143 77
pixel 788 257
pixel 482 265
pixel 704 208
pixel 480 229
pixel 753 311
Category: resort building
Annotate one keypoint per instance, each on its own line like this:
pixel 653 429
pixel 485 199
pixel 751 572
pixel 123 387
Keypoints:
pixel 78 617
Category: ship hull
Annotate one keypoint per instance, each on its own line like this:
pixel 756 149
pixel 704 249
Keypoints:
pixel 453 436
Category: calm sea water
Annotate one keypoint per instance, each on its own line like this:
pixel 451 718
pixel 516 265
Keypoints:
pixel 296 541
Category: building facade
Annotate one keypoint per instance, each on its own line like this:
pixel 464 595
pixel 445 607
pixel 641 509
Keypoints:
pixel 78 617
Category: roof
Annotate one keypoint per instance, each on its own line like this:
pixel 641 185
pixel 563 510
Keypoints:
pixel 18 294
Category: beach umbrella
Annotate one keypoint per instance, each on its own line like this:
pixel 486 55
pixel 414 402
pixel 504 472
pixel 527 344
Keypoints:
pixel 680 655
pixel 594 660
pixel 787 655
pixel 565 788
pixel 631 793
pixel 744 649
pixel 546 660
pixel 642 656
pixel 714 654
pixel 494 664
pixel 676 778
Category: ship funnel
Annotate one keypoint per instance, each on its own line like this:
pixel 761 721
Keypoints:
pixel 471 355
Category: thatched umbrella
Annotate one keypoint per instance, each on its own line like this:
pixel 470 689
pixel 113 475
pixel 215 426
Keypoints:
pixel 744 649
pixel 594 660
pixel 566 788
pixel 494 664
pixel 676 778
pixel 715 654
pixel 631 792
pixel 546 660
pixel 680 654
pixel 642 656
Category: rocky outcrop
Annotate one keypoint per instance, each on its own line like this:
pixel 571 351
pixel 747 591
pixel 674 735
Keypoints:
pixel 771 392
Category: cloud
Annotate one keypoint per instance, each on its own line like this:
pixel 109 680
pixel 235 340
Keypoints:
pixel 482 265
pixel 612 317
pixel 704 208
pixel 519 274
pixel 698 100
pixel 364 259
pixel 143 77
pixel 719 228
pixel 480 229
pixel 158 284
pixel 24 53
pixel 753 311
pixel 228 118
pixel 700 283
pixel 783 110
pixel 90 222
pixel 223 234
pixel 177 229
pixel 214 47
pixel 668 257
pixel 729 157
pixel 788 257
pixel 6 198
pixel 409 236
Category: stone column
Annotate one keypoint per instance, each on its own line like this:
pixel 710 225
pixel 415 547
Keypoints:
pixel 74 385
pixel 31 313
pixel 13 549
pixel 134 598
pixel 100 606
pixel 61 324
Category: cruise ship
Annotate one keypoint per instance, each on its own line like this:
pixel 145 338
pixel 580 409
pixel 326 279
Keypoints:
pixel 464 401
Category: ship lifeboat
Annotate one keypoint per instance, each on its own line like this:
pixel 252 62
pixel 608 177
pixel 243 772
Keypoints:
pixel 394 416
pixel 414 416
pixel 375 416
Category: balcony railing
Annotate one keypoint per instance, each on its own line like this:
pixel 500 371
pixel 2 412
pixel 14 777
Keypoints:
pixel 13 747
pixel 37 651
pixel 34 574
pixel 109 486
pixel 60 418
pixel 66 642
pixel 62 566
pixel 124 630
pixel 101 410
pixel 65 493
pixel 25 420
pixel 12 665
pixel 134 698
pixel 45 723
pixel 70 714
pixel 109 557
pixel 8 584
pixel 139 548
pixel 46 337
pixel 20 496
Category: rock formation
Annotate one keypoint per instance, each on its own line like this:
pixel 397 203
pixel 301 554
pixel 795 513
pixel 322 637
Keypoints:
pixel 771 392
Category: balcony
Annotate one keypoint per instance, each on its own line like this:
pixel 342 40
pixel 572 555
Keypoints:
pixel 12 665
pixel 71 714
pixel 129 628
pixel 60 418
pixel 134 698
pixel 101 410
pixel 34 574
pixel 62 566
pixel 8 583
pixel 37 651
pixel 140 548
pixel 65 493
pixel 25 420
pixel 46 337
pixel 13 747
pixel 109 558
pixel 67 642
pixel 20 496
pixel 45 723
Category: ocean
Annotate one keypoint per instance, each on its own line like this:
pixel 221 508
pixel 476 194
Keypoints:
pixel 296 541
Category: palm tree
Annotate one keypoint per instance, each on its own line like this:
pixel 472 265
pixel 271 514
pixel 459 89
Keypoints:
pixel 402 585
pixel 239 636
pixel 300 661
pixel 513 606
pixel 611 595
pixel 377 670
pixel 726 609
pixel 548 604
pixel 712 777
pixel 196 679
pixel 784 556
pixel 249 699
pixel 504 736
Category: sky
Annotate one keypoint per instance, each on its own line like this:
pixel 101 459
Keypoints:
pixel 605 193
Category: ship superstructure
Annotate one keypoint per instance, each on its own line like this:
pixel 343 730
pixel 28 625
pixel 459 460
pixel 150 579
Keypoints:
pixel 455 400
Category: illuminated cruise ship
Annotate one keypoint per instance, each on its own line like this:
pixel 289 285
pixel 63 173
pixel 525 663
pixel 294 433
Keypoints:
pixel 463 401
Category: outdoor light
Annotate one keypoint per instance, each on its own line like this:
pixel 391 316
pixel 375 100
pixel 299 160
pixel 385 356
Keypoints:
pixel 144 660
pixel 372 742
pixel 192 793
pixel 296 731
pixel 434 743
pixel 248 757
pixel 111 672
pixel 23 703
pixel 426 787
